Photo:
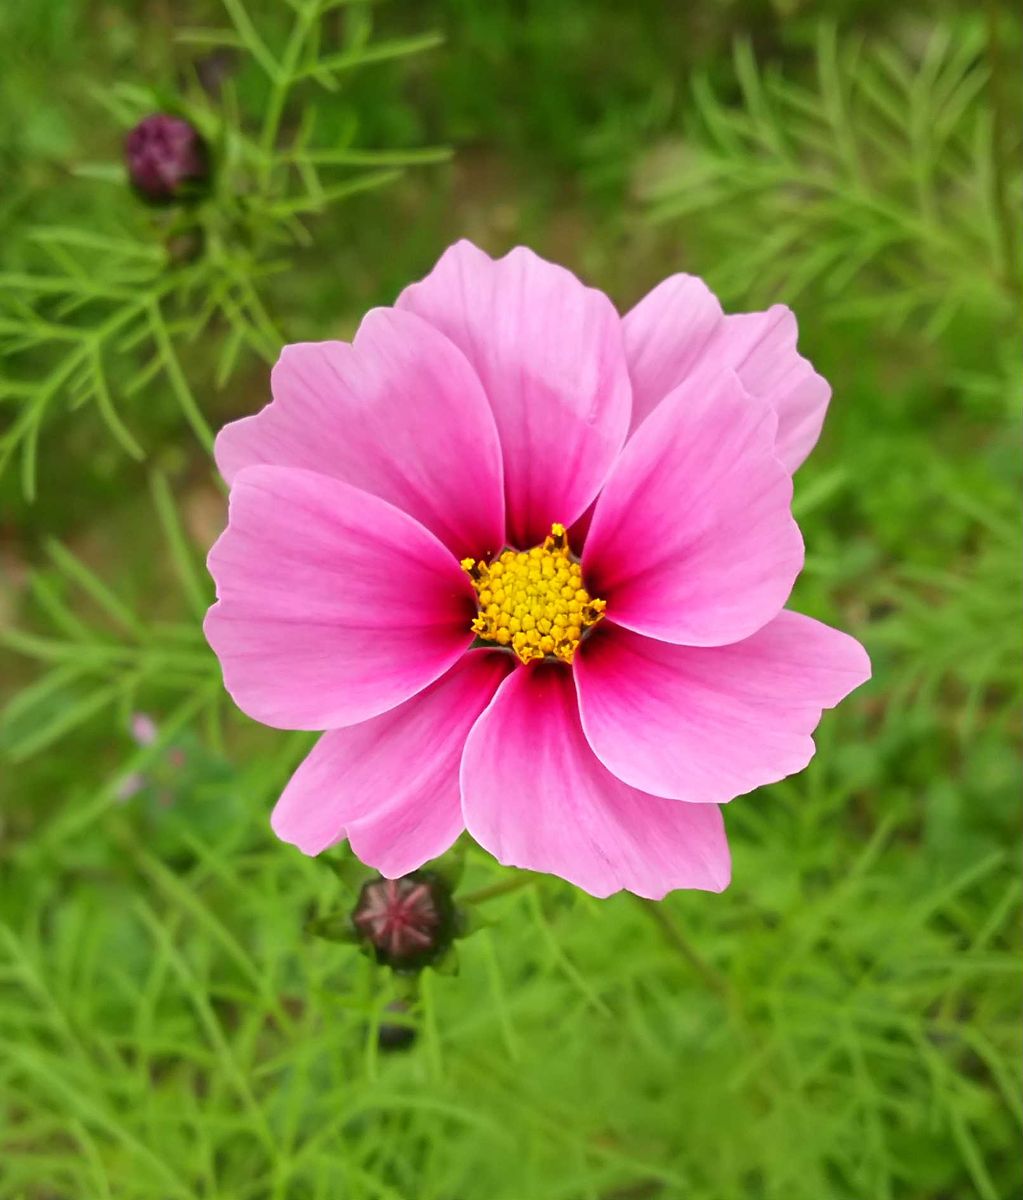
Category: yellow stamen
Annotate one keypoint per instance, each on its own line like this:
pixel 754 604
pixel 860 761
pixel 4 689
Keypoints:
pixel 534 600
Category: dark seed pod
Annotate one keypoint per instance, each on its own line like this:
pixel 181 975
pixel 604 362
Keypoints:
pixel 407 922
pixel 167 159
pixel 394 1036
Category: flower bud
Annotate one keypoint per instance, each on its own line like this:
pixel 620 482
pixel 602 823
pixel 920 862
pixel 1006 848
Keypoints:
pixel 392 1035
pixel 167 159
pixel 406 922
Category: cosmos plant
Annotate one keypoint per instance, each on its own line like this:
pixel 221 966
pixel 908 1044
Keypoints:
pixel 525 561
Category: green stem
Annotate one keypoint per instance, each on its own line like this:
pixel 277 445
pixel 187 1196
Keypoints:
pixel 678 941
pixel 1002 153
pixel 281 84
pixel 518 881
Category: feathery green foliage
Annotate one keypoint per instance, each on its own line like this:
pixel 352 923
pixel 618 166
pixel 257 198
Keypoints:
pixel 880 189
pixel 100 316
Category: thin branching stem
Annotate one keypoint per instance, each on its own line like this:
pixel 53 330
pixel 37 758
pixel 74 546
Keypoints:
pixel 518 881
pixel 678 941
pixel 1003 154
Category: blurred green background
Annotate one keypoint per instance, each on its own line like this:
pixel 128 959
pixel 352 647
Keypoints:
pixel 842 1023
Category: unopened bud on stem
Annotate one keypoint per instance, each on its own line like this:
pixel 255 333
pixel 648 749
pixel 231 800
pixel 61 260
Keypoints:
pixel 408 922
pixel 167 159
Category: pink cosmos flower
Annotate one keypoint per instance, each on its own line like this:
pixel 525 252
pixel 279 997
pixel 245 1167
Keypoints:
pixel 396 571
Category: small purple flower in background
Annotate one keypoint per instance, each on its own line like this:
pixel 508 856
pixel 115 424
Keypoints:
pixel 144 731
pixel 130 786
pixel 167 159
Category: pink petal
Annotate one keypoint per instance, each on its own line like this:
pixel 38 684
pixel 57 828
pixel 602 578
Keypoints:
pixel 549 353
pixel 535 796
pixel 666 335
pixel 709 723
pixel 678 331
pixel 399 413
pixel 390 785
pixel 762 348
pixel 692 539
pixel 333 605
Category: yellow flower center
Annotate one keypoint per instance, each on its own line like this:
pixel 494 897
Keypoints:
pixel 534 600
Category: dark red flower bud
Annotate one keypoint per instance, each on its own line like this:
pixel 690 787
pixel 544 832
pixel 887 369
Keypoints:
pixel 394 1036
pixel 167 159
pixel 408 922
